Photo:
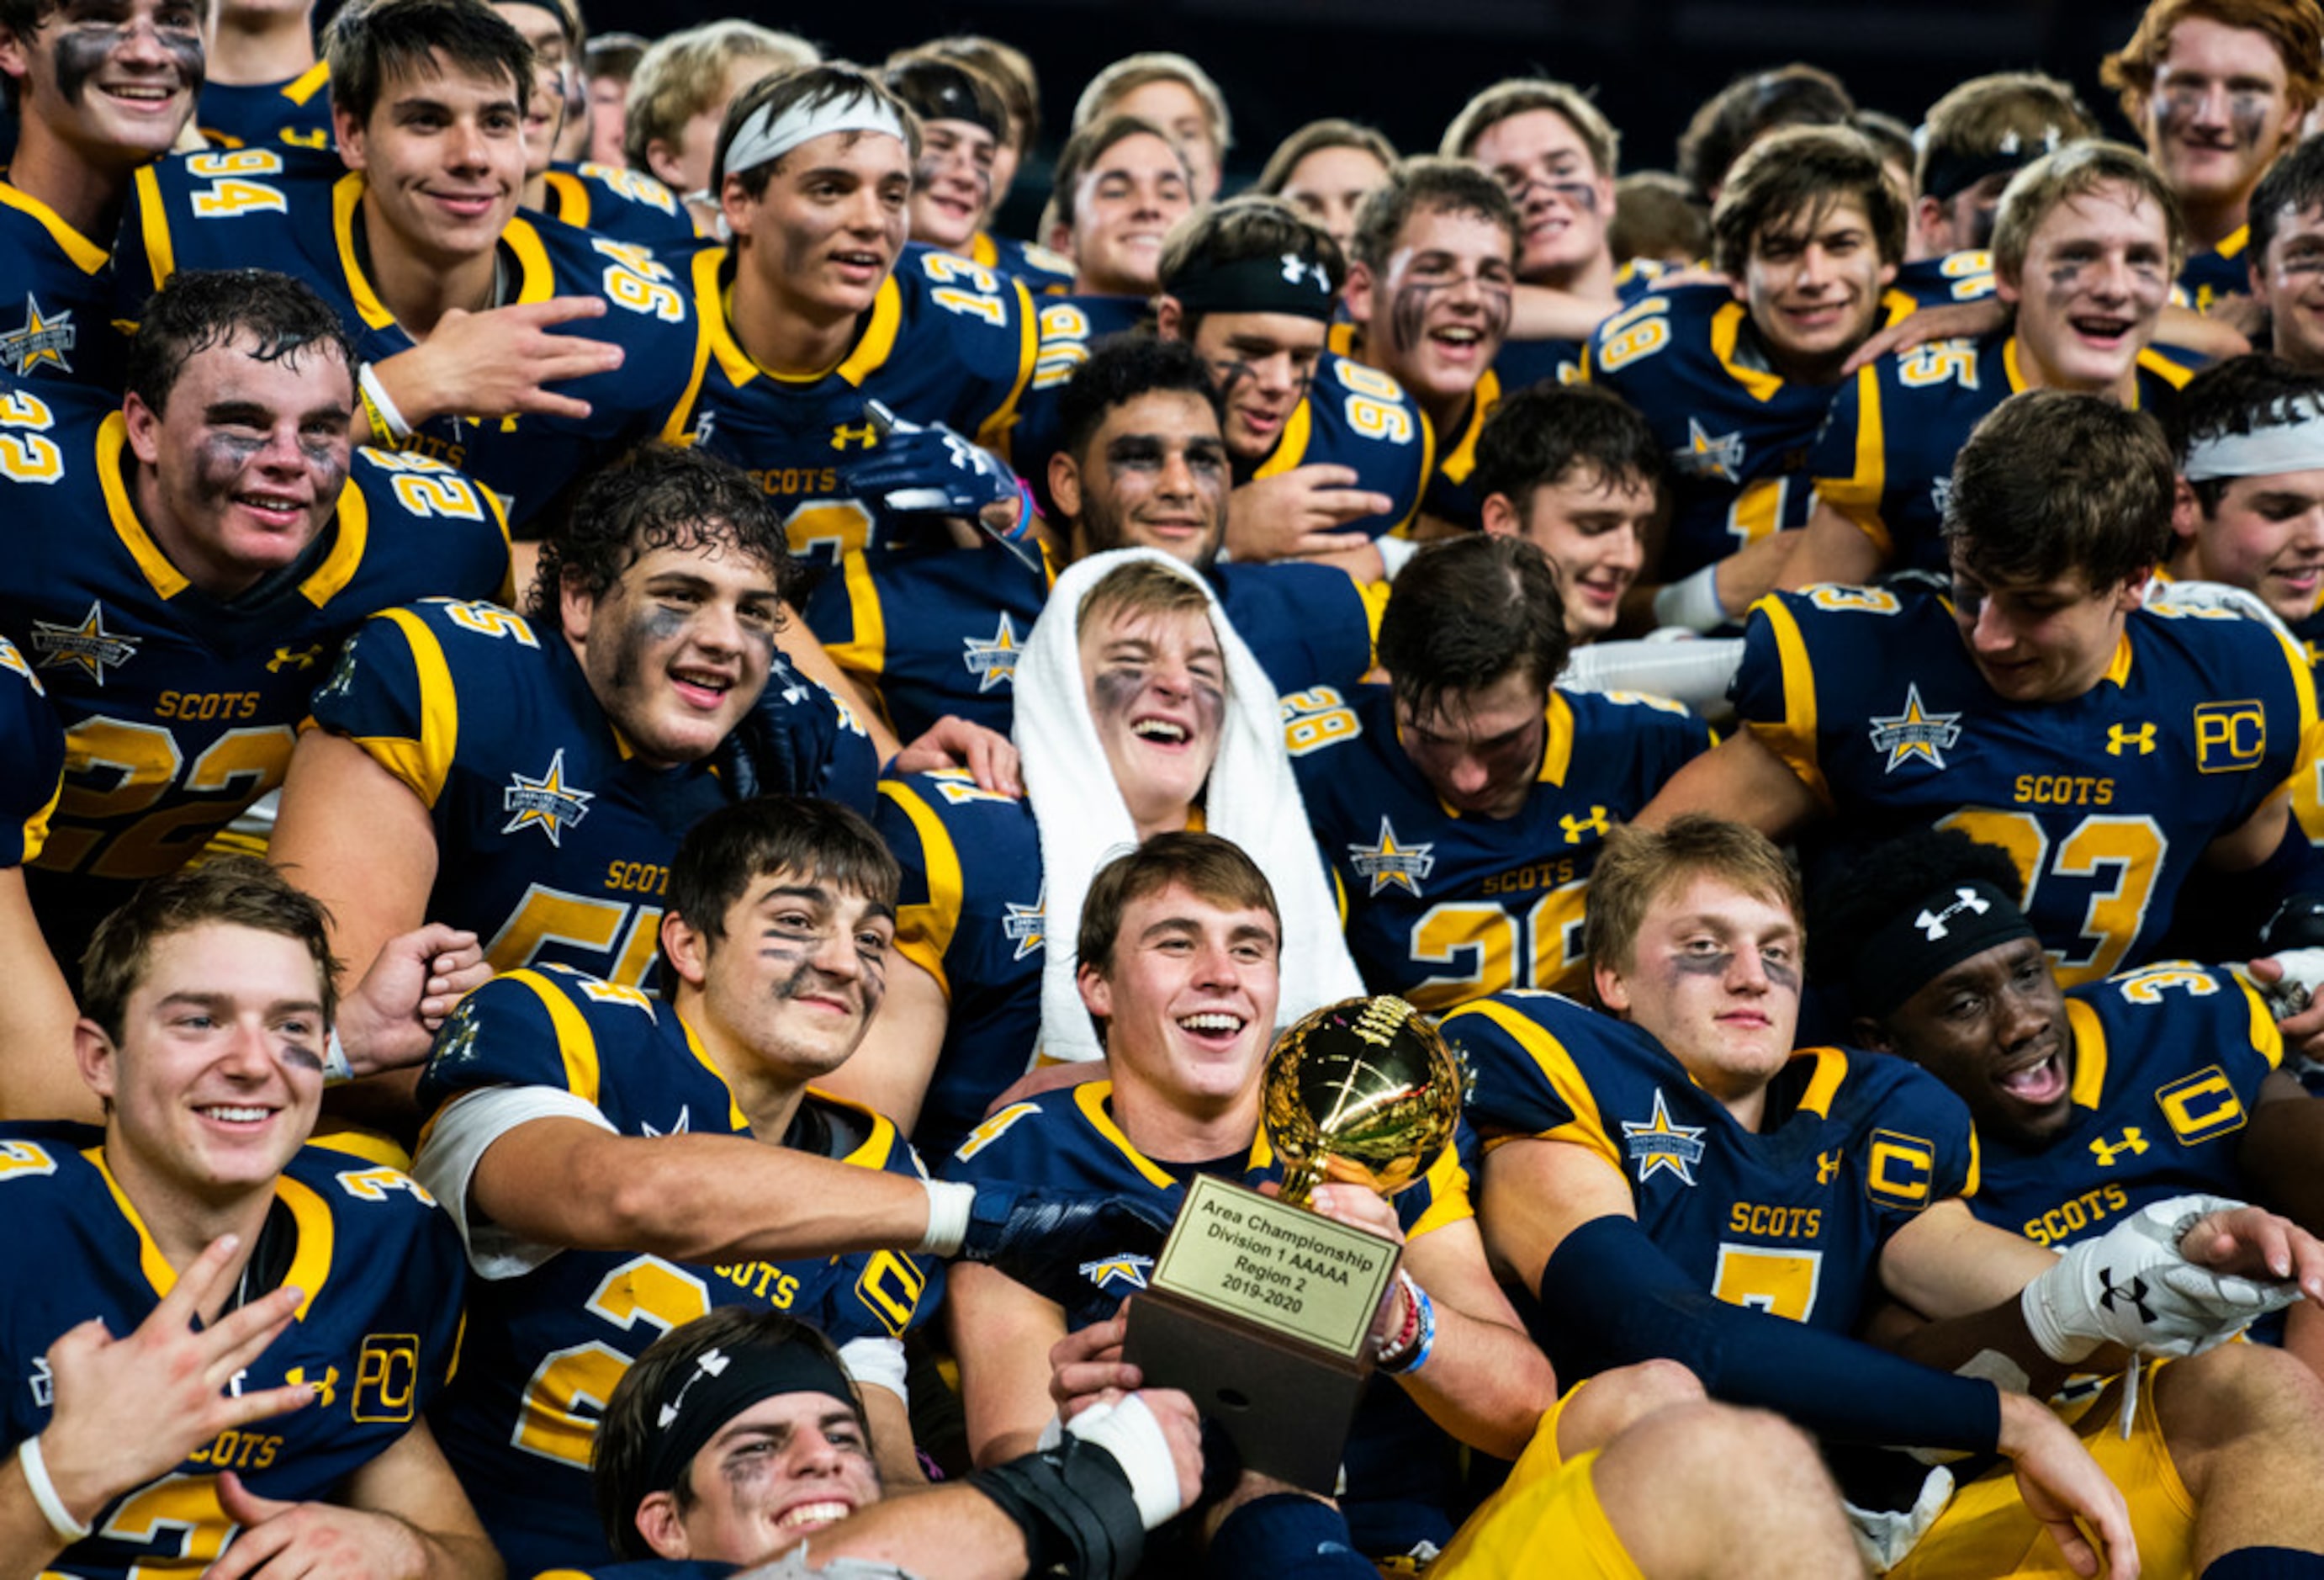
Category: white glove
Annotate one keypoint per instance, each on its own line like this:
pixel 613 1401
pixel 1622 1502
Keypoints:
pixel 2132 1286
pixel 2295 990
pixel 1884 1536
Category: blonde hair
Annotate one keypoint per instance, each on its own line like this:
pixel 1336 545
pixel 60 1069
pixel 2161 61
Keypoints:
pixel 684 74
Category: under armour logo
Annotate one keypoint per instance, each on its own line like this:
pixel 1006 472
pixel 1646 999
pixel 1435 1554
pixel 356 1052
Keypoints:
pixel 301 658
pixel 2132 1295
pixel 1828 1166
pixel 2121 738
pixel 711 1362
pixel 1575 828
pixel 865 434
pixel 1931 923
pixel 1296 268
pixel 2133 1142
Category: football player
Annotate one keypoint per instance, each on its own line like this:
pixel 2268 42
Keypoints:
pixel 2107 747
pixel 264 84
pixel 1010 71
pixel 463 310
pixel 1725 125
pixel 2287 253
pixel 460 746
pixel 2250 509
pixel 2083 252
pixel 97 92
pixel 739 1435
pixel 962 124
pixel 2218 89
pixel 1463 804
pixel 1177 963
pixel 1121 184
pixel 678 95
pixel 1574 471
pixel 779 919
pixel 235 1336
pixel 1736 380
pixel 1684 1183
pixel 1172 92
pixel 36 1016
pixel 1428 295
pixel 187 561
pixel 1140 711
pixel 1979 135
pixel 818 307
pixel 1326 169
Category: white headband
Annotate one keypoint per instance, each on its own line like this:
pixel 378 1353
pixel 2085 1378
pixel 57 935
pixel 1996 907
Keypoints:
pixel 766 137
pixel 2293 445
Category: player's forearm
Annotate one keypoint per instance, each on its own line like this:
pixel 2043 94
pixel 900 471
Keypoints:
pixel 1975 1342
pixel 953 1530
pixel 2282 1147
pixel 1543 312
pixel 27 1542
pixel 455 1556
pixel 1485 1383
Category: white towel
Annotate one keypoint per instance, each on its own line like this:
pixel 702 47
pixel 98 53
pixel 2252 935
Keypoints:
pixel 1251 798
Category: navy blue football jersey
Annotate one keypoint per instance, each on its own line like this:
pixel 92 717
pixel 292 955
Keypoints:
pixel 296 113
pixel 2224 270
pixel 56 297
pixel 1522 363
pixel 969 913
pixel 379 1266
pixel 1791 1218
pixel 181 708
pixel 546 1346
pixel 2167 1066
pixel 1067 1140
pixel 1739 433
pixel 31 759
pixel 1953 277
pixel 492 725
pixel 624 204
pixel 1885 456
pixel 303 214
pixel 946 341
pixel 1067 329
pixel 1043 272
pixel 2106 801
pixel 938 631
pixel 1441 906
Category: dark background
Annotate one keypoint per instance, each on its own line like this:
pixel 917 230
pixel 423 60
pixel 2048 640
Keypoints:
pixel 1407 66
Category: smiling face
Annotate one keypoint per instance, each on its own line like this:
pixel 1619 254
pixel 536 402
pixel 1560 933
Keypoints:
pixel 1593 528
pixel 244 468
pixel 2219 111
pixel 111 80
pixel 1480 751
pixel 820 240
pixel 1329 185
pixel 218 1072
pixel 788 1466
pixel 954 184
pixel 1714 976
pixel 1262 364
pixel 2040 641
pixel 1154 475
pixel 2266 535
pixel 1157 689
pixel 1188 1001
pixel 1563 200
pixel 2097 273
pixel 443 158
pixel 2289 281
pixel 1812 282
pixel 678 649
pixel 1126 202
pixel 552 71
pixel 793 983
pixel 1436 314
pixel 1994 1029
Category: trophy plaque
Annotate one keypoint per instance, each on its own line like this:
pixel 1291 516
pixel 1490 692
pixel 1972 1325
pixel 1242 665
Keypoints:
pixel 1261 1309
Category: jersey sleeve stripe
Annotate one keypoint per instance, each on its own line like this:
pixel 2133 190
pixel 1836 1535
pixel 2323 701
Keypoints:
pixel 36 826
pixel 1793 740
pixel 1448 1195
pixel 2266 1036
pixel 353 526
pixel 577 1045
pixel 2090 1054
pixel 423 765
pixel 864 654
pixel 924 932
pixel 1586 1127
pixel 992 433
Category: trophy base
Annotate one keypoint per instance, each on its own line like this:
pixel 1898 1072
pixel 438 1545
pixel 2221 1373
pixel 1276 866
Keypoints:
pixel 1285 1405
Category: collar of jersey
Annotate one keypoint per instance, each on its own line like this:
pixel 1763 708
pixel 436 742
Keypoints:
pixel 311 1265
pixel 1291 443
pixel 86 255
pixel 351 524
pixel 2117 668
pixel 1763 384
pixel 1461 458
pixel 535 279
pixel 2233 244
pixel 870 353
pixel 1090 1097
pixel 735 1114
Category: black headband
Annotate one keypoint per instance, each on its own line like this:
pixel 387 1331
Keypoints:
pixel 939 91
pixel 1288 282
pixel 721 1383
pixel 1916 946
pixel 1951 175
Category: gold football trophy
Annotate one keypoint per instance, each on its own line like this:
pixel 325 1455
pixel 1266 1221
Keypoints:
pixel 1262 1309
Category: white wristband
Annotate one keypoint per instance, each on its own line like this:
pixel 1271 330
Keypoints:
pixel 949 1202
pixel 44 1493
pixel 1692 602
pixel 1395 553
pixel 1127 1430
pixel 379 403
pixel 336 1070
